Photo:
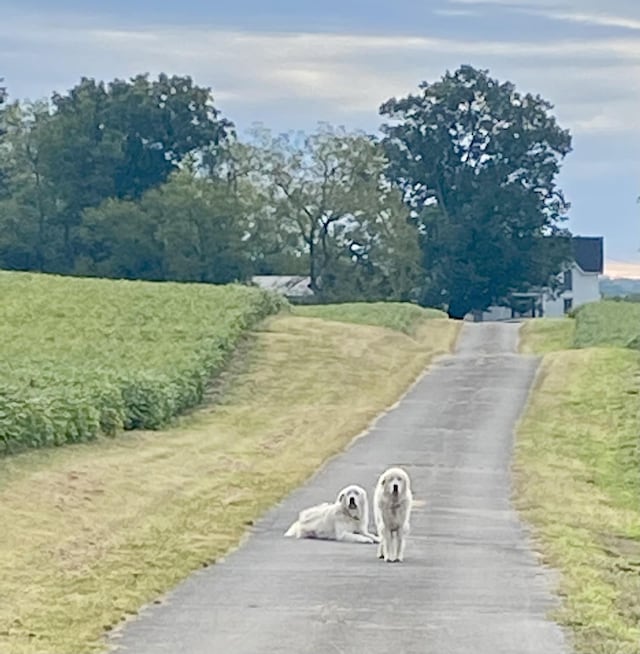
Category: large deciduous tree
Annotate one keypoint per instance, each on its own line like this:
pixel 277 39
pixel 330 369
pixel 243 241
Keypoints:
pixel 477 162
pixel 120 139
pixel 327 196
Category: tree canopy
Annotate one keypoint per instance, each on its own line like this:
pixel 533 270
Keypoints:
pixel 456 206
pixel 328 198
pixel 477 163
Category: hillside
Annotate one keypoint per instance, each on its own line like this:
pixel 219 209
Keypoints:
pixel 619 287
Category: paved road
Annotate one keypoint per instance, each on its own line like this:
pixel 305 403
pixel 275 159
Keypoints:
pixel 469 583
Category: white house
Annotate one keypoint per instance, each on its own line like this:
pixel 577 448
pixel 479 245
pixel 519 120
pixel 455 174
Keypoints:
pixel 580 282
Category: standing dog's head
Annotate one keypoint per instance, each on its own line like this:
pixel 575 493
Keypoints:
pixel 394 482
pixel 353 500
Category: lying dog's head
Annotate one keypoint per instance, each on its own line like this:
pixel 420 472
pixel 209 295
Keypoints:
pixel 394 482
pixel 353 500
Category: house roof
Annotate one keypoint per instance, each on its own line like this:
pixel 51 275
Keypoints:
pixel 588 253
pixel 288 285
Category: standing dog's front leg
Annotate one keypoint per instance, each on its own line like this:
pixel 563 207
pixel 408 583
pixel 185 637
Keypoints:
pixel 402 535
pixel 388 545
pixel 393 546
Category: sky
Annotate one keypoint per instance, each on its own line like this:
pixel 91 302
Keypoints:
pixel 290 64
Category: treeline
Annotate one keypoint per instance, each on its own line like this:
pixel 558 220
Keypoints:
pixel 455 206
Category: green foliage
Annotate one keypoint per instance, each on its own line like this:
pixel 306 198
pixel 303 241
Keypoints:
pixel 100 141
pixel 81 357
pixel 30 212
pixel 189 229
pixel 477 163
pixel 607 323
pixel 324 195
pixel 122 138
pixel 402 317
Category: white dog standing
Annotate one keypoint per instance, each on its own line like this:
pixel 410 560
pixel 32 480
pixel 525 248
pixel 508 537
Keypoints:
pixel 347 519
pixel 392 502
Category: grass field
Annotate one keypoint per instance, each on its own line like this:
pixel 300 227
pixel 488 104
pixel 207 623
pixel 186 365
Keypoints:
pixel 608 323
pixel 578 472
pixel 401 317
pixel 99 529
pixel 84 357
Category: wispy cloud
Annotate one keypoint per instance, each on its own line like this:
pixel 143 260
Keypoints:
pixel 601 20
pixel 338 75
pixel 588 12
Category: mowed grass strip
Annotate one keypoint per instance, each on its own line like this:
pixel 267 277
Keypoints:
pixel 98 530
pixel 608 323
pixel 401 317
pixel 80 358
pixel 577 472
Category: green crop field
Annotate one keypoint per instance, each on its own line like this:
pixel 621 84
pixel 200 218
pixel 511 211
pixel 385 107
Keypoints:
pixel 84 357
pixel 608 323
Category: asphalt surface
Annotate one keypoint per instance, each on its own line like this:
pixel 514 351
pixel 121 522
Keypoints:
pixel 469 583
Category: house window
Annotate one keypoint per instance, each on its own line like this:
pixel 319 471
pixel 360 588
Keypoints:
pixel 568 304
pixel 567 281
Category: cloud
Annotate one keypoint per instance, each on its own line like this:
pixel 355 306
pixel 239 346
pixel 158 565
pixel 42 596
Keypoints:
pixel 341 77
pixel 602 20
pixel 293 80
pixel 587 12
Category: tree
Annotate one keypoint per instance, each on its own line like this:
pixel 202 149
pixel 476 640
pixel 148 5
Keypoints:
pixel 477 164
pixel 3 99
pixel 188 229
pixel 121 139
pixel 327 197
pixel 30 209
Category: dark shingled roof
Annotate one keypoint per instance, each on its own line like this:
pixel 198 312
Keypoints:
pixel 588 253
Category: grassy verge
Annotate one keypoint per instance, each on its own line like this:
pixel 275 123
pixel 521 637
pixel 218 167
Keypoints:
pixel 394 315
pixel 98 530
pixel 545 335
pixel 577 471
pixel 608 323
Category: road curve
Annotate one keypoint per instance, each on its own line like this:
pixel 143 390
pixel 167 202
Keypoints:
pixel 469 584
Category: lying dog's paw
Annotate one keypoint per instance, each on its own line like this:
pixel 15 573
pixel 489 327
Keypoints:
pixel 375 539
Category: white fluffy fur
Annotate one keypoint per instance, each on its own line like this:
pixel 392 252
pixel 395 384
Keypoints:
pixel 392 502
pixel 347 519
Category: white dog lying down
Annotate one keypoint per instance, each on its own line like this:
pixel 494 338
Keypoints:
pixel 392 503
pixel 347 519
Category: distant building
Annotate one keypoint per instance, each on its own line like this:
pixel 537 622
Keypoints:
pixel 580 281
pixel 291 286
pixel 579 284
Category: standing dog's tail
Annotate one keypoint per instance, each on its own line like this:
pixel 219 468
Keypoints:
pixel 293 531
